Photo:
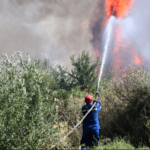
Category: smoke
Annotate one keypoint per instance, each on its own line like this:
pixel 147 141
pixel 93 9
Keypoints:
pixel 97 24
pixel 136 29
pixel 14 34
pixel 53 29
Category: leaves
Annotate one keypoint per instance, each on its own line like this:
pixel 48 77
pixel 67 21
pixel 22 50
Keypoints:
pixel 82 74
pixel 24 99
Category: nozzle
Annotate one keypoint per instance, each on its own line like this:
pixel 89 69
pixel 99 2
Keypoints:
pixel 113 11
pixel 97 94
pixel 114 15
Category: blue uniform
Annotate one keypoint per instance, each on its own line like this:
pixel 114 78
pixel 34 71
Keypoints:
pixel 91 125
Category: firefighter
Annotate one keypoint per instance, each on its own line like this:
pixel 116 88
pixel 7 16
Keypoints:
pixel 91 126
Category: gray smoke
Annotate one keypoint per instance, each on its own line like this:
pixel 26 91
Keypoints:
pixel 53 29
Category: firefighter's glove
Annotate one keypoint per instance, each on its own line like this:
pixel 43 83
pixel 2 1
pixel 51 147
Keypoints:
pixel 95 100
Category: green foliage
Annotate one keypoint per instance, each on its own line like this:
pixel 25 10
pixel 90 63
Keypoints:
pixel 119 144
pixel 77 92
pixel 25 96
pixel 63 94
pixel 83 72
pixel 110 75
pixel 62 78
pixel 130 97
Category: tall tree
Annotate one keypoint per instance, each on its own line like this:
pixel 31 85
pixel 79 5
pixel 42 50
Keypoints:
pixel 84 70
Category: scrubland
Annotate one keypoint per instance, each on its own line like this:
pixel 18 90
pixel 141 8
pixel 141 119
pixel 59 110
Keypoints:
pixel 40 105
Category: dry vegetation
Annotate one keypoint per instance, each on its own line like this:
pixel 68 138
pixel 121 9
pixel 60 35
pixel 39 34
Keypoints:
pixel 55 111
pixel 125 110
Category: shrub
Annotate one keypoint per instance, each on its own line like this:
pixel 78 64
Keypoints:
pixel 25 96
pixel 128 105
pixel 76 92
pixel 83 74
pixel 62 78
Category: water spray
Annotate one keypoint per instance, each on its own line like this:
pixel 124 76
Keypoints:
pixel 109 33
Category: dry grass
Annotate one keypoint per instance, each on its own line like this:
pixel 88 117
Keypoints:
pixel 116 99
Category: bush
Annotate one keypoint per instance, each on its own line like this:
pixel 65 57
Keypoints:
pixel 119 143
pixel 128 105
pixel 83 74
pixel 62 78
pixel 76 92
pixel 25 96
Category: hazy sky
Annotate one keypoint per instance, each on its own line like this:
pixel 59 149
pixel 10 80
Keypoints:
pixel 55 29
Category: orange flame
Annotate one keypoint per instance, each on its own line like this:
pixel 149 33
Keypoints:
pixel 120 9
pixel 138 60
pixel 97 52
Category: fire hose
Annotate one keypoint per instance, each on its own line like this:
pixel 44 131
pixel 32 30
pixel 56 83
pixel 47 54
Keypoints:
pixel 75 126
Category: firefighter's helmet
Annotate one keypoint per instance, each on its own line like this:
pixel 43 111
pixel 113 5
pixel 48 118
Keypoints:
pixel 89 98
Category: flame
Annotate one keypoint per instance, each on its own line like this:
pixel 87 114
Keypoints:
pixel 120 8
pixel 138 60
pixel 97 52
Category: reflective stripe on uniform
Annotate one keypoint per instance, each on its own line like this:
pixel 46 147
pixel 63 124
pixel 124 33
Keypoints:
pixel 94 109
pixel 83 144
